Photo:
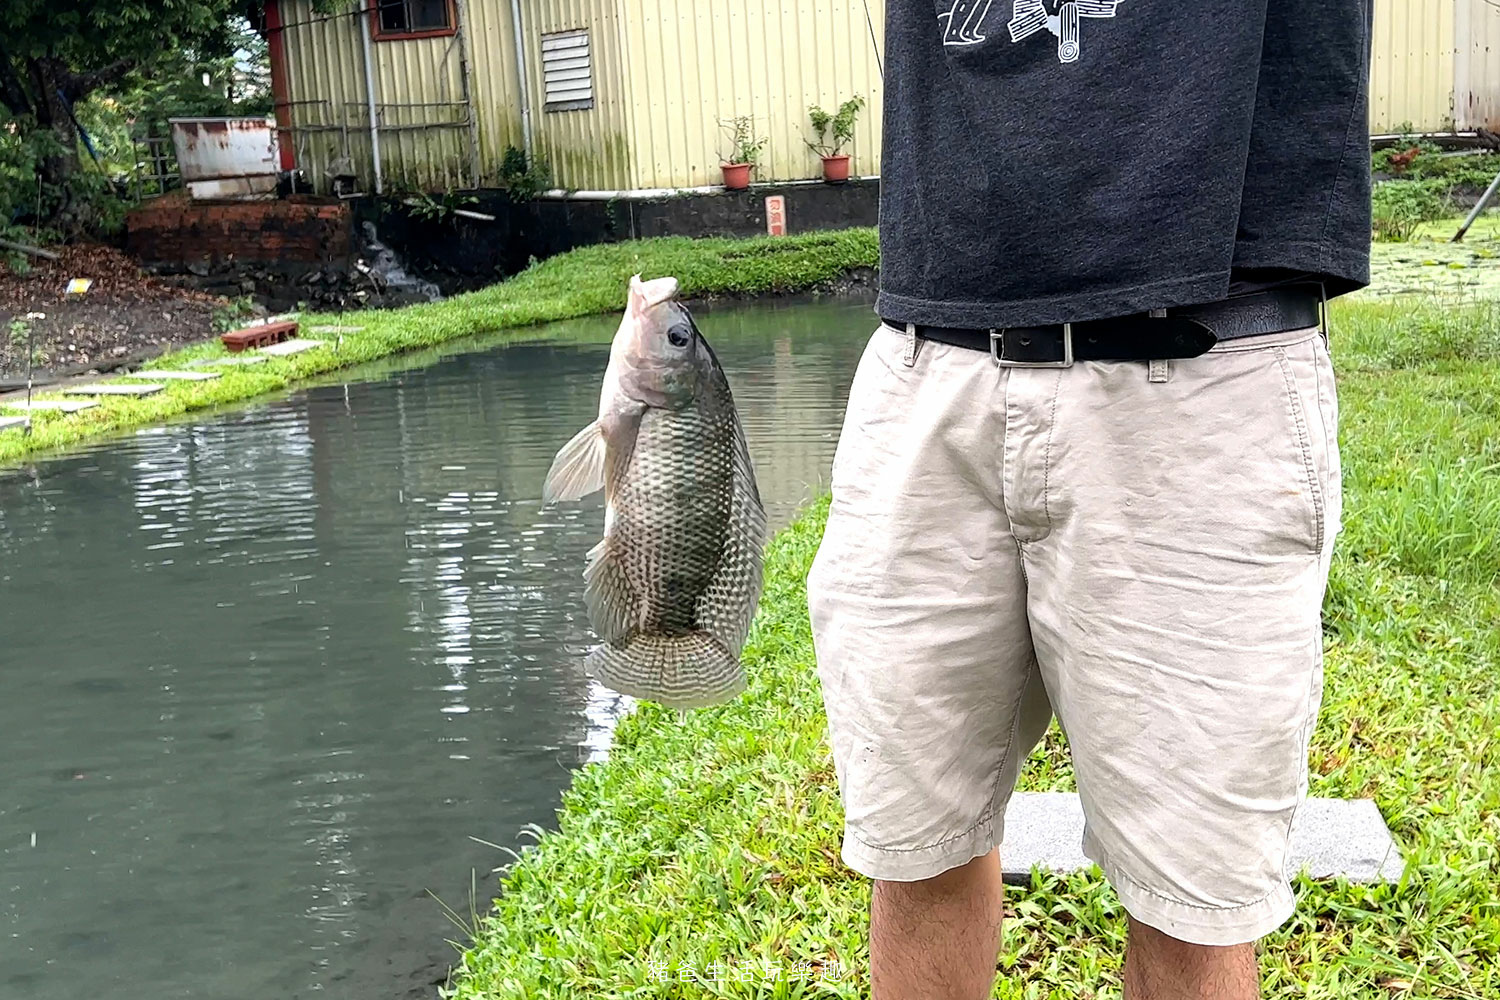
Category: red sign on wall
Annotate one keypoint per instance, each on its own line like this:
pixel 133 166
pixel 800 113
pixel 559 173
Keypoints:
pixel 776 214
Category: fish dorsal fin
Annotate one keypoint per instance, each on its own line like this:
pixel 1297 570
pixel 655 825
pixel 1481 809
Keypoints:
pixel 645 294
pixel 578 469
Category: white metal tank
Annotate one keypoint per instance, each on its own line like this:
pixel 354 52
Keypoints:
pixel 234 158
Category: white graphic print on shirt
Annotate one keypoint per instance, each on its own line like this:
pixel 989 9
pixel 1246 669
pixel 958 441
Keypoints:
pixel 962 23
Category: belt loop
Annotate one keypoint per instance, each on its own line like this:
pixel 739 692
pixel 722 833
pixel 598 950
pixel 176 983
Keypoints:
pixel 1323 314
pixel 1159 370
pixel 913 345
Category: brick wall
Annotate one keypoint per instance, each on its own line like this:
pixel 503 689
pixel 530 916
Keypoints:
pixel 175 229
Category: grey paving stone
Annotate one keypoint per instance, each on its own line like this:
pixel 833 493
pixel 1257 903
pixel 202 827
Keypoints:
pixel 291 347
pixel 172 376
pixel 1332 837
pixel 38 405
pixel 114 389
pixel 268 320
pixel 233 359
pixel 7 422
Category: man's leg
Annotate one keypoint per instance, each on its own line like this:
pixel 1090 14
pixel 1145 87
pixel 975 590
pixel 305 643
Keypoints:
pixel 924 655
pixel 1177 522
pixel 938 939
pixel 1158 967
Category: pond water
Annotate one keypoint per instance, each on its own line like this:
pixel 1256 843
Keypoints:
pixel 264 675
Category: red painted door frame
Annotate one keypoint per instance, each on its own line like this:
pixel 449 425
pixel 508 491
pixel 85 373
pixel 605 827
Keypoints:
pixel 280 88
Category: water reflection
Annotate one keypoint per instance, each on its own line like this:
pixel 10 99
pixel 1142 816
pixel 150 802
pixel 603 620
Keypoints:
pixel 266 674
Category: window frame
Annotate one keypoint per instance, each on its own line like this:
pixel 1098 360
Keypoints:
pixel 380 35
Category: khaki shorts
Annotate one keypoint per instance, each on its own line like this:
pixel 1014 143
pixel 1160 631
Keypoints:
pixel 1141 548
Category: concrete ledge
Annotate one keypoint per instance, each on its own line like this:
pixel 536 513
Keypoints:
pixel 1332 838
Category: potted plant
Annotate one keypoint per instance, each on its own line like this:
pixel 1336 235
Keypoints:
pixel 840 128
pixel 746 153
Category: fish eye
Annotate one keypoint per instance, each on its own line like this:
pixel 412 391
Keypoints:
pixel 680 336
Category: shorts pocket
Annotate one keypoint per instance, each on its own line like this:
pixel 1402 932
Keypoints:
pixel 1305 426
pixel 872 406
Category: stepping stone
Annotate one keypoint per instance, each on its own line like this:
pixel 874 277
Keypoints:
pixel 291 347
pixel 268 320
pixel 115 389
pixel 334 329
pixel 172 376
pixel 234 359
pixel 57 405
pixel 1331 838
pixel 6 422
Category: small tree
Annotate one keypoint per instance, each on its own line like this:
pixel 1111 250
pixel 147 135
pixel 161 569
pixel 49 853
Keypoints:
pixel 840 124
pixel 53 55
pixel 747 147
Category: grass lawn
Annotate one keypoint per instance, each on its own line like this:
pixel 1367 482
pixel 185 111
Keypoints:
pixel 716 839
pixel 583 282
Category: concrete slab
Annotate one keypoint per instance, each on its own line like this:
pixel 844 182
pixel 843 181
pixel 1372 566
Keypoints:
pixel 233 359
pixel 268 320
pixel 40 405
pixel 290 347
pixel 1331 838
pixel 115 389
pixel 171 376
pixel 7 422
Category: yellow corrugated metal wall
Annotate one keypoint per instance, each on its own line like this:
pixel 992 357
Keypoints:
pixel 1411 65
pixel 667 72
pixel 691 63
pixel 588 148
pixel 1476 73
pixel 418 85
pixel 492 68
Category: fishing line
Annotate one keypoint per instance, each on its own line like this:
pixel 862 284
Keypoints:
pixel 870 23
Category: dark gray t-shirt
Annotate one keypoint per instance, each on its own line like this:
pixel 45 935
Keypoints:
pixel 1049 162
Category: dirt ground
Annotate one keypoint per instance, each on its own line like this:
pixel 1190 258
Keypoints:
pixel 124 316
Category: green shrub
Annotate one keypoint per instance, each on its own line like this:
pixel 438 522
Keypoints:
pixel 1397 208
pixel 521 179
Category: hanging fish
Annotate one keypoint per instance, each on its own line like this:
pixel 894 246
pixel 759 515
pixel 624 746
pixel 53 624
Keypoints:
pixel 672 587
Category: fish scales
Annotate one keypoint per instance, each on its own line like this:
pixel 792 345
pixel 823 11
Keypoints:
pixel 672 511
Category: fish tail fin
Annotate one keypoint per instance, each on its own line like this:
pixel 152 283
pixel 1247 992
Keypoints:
pixel 693 670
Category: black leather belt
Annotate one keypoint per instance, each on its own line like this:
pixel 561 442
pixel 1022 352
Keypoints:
pixel 1179 332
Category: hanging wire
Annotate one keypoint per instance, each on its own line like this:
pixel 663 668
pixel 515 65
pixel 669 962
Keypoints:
pixel 874 44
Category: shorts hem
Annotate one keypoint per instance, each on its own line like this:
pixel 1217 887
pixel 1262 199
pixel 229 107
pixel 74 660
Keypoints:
pixel 915 864
pixel 1194 923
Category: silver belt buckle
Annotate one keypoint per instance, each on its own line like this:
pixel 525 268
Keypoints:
pixel 1067 358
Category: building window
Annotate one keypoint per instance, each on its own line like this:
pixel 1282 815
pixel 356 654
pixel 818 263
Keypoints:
pixel 567 71
pixel 396 19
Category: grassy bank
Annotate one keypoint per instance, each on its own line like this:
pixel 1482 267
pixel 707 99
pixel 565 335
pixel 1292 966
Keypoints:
pixel 717 839
pixel 583 282
pixel 592 280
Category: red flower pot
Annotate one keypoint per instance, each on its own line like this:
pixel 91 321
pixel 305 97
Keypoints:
pixel 836 169
pixel 736 175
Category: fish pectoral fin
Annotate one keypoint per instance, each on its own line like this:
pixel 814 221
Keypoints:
pixel 607 593
pixel 578 469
